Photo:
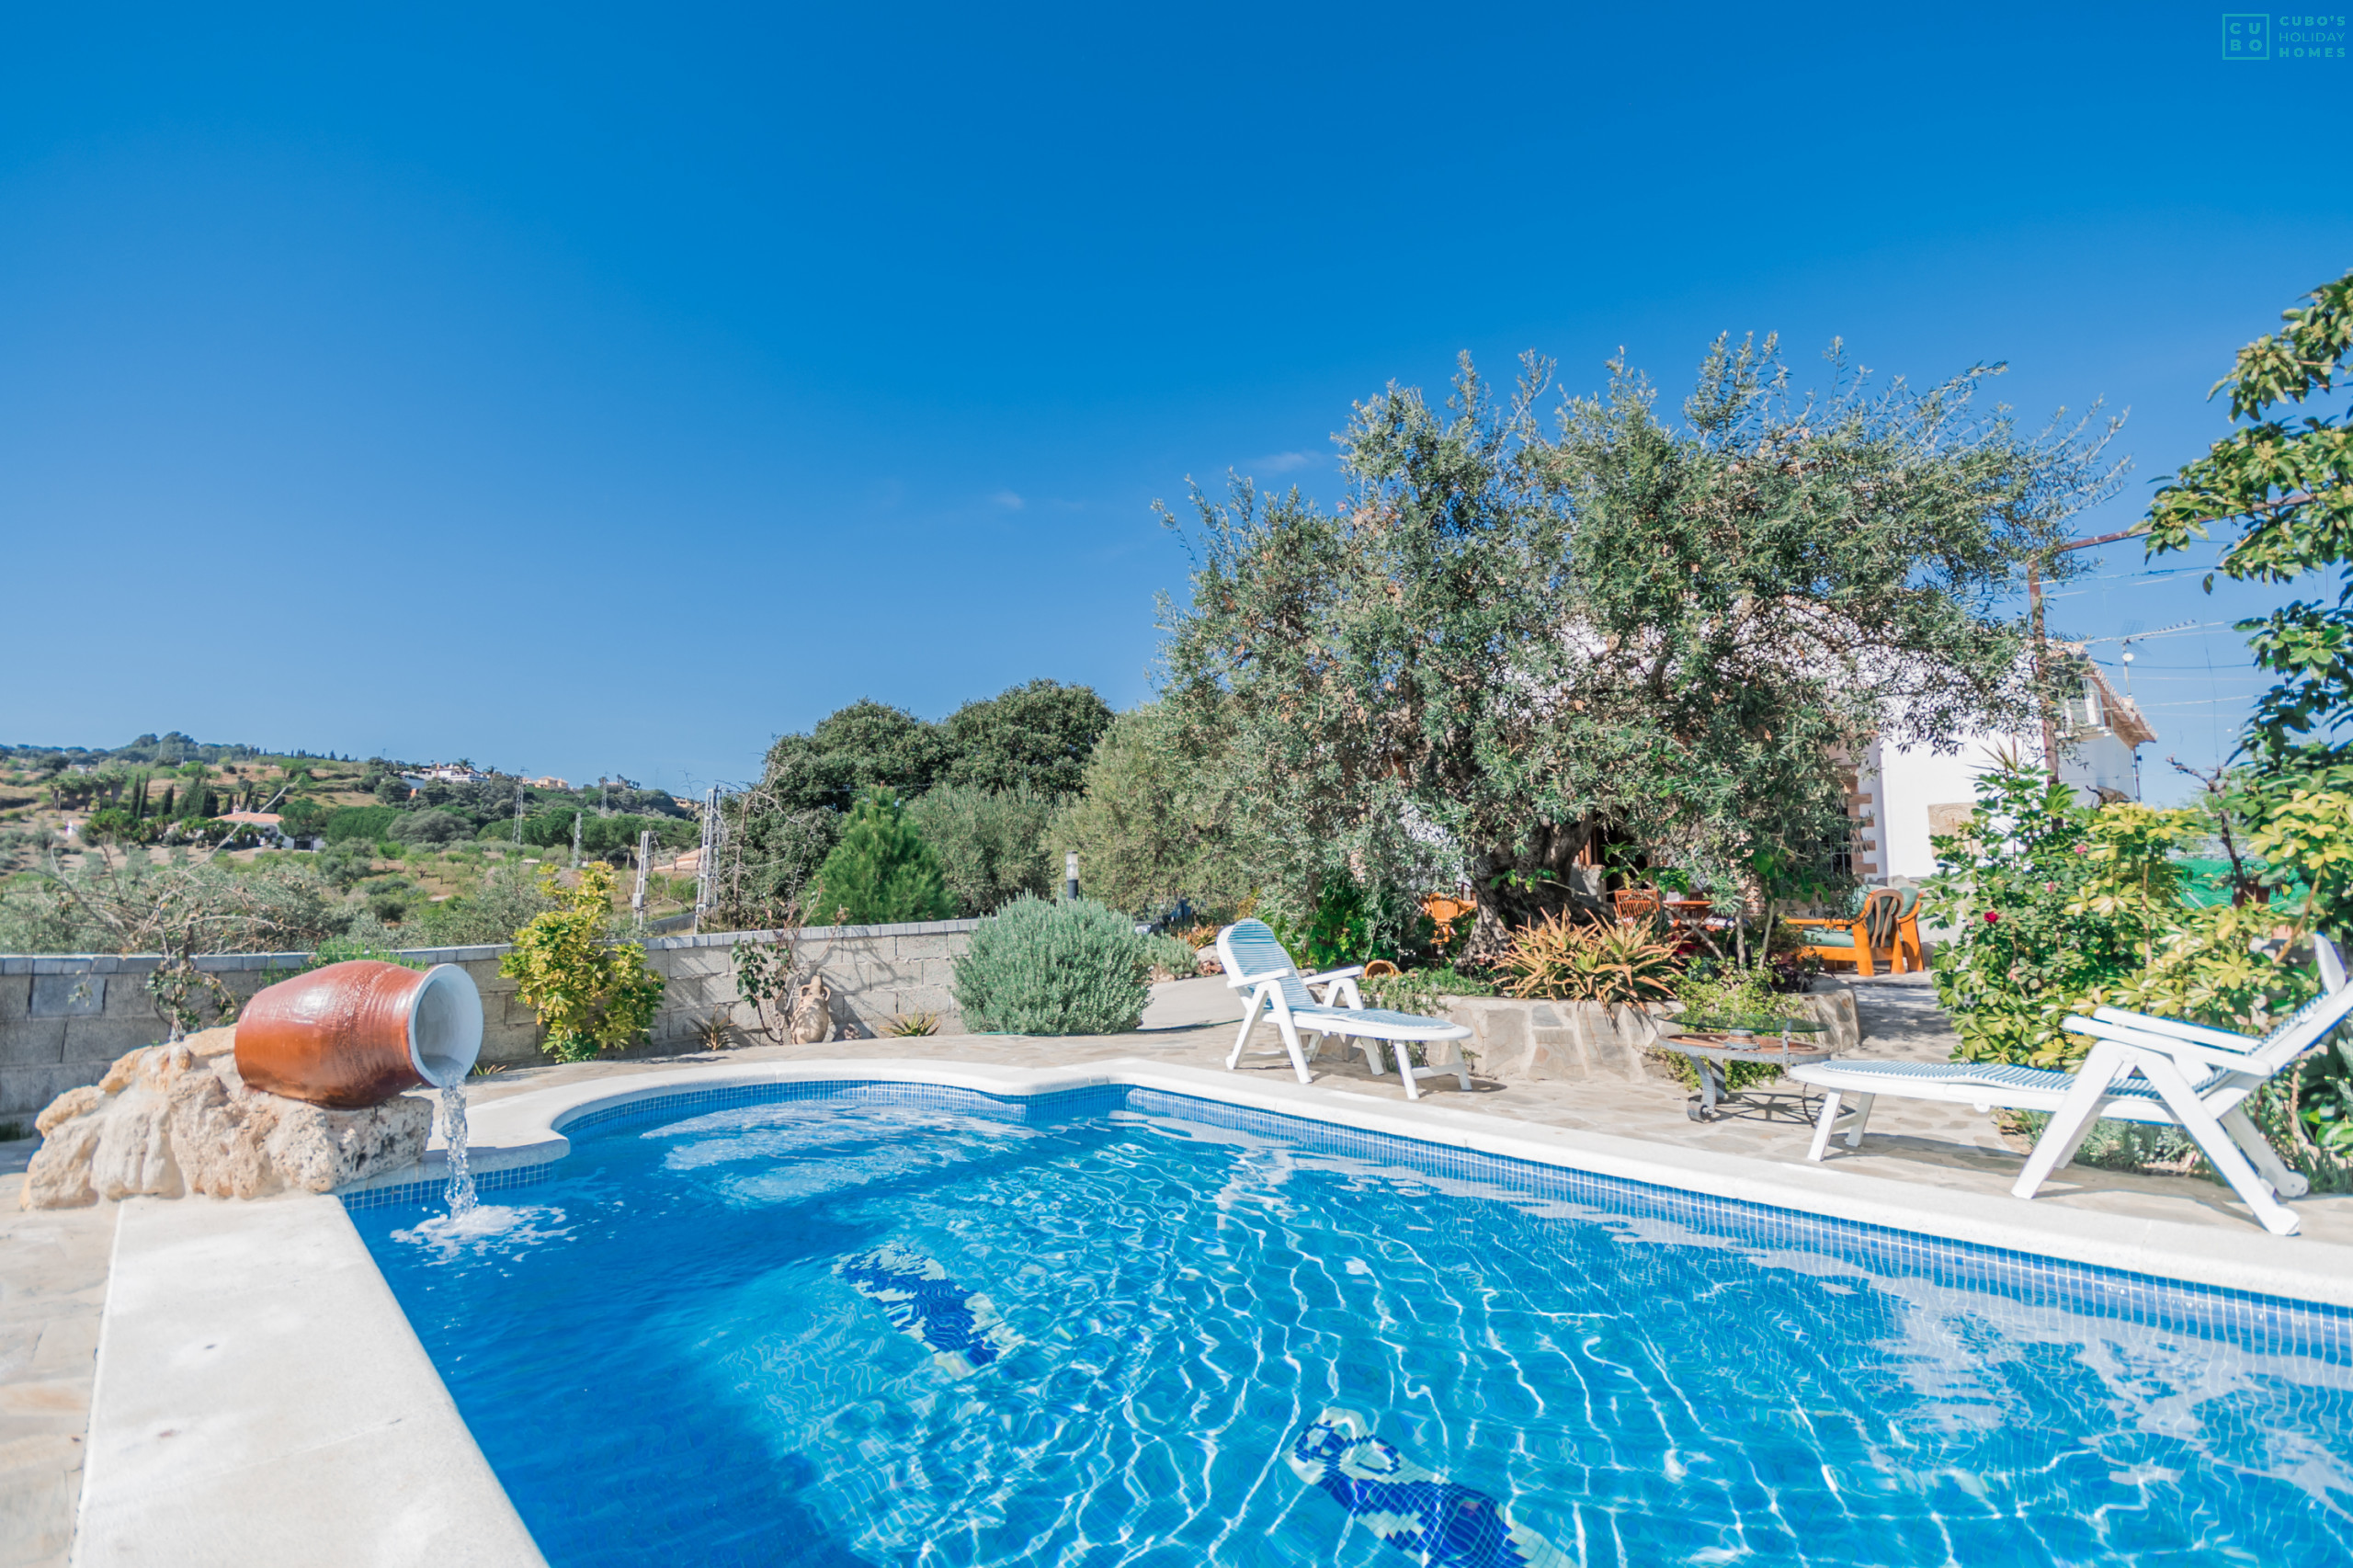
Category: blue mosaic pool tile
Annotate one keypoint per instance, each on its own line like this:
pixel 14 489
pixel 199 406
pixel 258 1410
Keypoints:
pixel 431 1193
pixel 2265 1323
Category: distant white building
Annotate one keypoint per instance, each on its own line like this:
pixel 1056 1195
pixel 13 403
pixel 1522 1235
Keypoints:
pixel 1903 796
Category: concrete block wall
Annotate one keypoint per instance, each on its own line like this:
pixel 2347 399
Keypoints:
pixel 65 1019
pixel 877 972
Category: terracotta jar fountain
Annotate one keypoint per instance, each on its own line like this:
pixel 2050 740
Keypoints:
pixel 355 1034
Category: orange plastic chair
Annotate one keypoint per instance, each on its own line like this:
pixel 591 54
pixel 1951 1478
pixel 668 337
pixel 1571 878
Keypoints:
pixel 1637 904
pixel 1885 930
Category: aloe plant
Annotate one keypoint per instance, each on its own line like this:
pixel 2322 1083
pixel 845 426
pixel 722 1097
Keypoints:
pixel 1558 958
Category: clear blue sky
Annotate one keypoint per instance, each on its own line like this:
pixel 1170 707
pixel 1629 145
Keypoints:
pixel 590 389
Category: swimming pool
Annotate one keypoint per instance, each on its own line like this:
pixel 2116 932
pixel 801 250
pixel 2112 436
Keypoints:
pixel 859 1324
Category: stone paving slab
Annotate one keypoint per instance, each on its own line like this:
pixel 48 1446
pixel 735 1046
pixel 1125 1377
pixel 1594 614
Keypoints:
pixel 52 1286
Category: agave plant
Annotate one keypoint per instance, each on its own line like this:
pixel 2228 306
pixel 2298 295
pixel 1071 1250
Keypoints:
pixel 1560 959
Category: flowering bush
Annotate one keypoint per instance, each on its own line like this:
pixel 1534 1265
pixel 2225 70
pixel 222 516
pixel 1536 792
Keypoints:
pixel 591 995
pixel 2049 900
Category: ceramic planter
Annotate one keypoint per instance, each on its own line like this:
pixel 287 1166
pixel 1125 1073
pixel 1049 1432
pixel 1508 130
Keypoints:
pixel 355 1034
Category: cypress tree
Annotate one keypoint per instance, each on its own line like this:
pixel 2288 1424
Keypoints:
pixel 881 872
pixel 165 810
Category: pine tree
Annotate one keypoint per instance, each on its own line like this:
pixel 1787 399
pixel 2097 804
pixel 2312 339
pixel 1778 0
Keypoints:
pixel 881 872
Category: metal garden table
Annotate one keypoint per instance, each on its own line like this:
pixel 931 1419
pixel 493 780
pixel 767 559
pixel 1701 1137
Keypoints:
pixel 1710 1049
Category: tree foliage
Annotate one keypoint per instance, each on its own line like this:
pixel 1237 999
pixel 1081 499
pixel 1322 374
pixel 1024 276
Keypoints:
pixel 136 907
pixel 1036 737
pixel 990 842
pixel 881 872
pixel 1152 822
pixel 2286 483
pixel 1506 642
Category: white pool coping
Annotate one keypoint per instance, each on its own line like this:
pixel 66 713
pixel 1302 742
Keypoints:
pixel 261 1399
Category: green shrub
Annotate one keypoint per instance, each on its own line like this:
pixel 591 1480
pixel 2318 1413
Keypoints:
pixel 1419 990
pixel 345 949
pixel 1053 969
pixel 1178 957
pixel 881 872
pixel 359 822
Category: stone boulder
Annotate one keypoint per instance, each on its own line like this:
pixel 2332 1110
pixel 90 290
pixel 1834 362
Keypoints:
pixel 176 1119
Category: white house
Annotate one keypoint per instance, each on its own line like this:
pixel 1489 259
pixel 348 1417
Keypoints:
pixel 1903 796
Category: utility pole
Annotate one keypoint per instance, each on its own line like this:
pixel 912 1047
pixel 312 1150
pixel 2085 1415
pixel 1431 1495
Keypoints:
pixel 2041 646
pixel 575 841
pixel 519 813
pixel 1070 876
pixel 644 857
pixel 604 797
pixel 706 857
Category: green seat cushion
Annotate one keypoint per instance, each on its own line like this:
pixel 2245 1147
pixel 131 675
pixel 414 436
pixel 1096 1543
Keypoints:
pixel 1829 937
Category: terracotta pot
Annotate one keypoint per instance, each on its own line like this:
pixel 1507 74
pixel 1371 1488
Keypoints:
pixel 355 1034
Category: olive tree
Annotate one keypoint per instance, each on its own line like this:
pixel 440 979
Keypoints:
pixel 1515 647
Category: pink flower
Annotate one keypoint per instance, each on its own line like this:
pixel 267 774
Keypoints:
pixel 2051 887
pixel 1993 918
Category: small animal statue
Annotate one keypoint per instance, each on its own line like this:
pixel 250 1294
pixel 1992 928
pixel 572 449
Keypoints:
pixel 812 1011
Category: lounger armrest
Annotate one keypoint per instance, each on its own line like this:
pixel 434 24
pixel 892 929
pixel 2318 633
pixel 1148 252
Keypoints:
pixel 2222 1040
pixel 1349 973
pixel 2187 1054
pixel 1237 982
pixel 1815 920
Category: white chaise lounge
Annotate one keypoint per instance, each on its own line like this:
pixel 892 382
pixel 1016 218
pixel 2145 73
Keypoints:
pixel 2143 1069
pixel 1255 960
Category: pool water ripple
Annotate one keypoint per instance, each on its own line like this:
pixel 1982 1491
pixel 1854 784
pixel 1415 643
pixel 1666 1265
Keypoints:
pixel 854 1330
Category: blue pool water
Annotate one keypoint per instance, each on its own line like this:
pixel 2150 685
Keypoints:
pixel 891 1326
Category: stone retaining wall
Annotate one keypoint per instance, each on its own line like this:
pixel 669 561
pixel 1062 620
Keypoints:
pixel 65 1019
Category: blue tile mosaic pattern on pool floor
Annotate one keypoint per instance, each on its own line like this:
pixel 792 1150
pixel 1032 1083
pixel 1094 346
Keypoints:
pixel 833 1322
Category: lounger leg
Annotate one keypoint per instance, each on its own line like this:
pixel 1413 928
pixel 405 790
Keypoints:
pixel 1249 1018
pixel 1826 1126
pixel 2260 1153
pixel 1406 1070
pixel 1863 1104
pixel 1461 1067
pixel 2221 1150
pixel 1823 1124
pixel 1291 1043
pixel 2072 1121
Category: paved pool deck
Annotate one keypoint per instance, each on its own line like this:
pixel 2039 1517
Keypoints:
pixel 54 1267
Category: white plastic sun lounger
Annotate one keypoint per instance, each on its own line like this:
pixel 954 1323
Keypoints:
pixel 1254 958
pixel 2144 1069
